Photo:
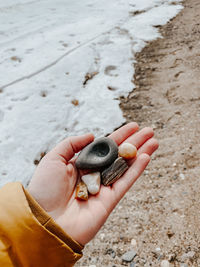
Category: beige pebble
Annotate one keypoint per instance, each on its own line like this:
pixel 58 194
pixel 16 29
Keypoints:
pixel 92 181
pixel 127 151
pixel 133 242
pixel 102 236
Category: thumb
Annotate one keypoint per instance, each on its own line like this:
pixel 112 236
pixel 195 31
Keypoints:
pixel 71 145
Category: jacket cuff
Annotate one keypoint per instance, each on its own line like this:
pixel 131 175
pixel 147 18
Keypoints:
pixel 45 220
pixel 33 240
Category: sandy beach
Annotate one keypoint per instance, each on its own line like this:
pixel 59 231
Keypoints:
pixel 159 218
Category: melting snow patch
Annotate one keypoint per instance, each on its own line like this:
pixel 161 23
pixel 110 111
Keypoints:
pixel 63 66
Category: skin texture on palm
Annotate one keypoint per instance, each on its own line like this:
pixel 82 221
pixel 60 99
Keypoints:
pixel 53 184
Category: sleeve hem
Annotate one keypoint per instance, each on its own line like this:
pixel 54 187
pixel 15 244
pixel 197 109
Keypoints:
pixel 30 243
pixel 44 218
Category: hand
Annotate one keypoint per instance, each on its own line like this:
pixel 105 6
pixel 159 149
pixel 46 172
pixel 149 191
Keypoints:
pixel 53 184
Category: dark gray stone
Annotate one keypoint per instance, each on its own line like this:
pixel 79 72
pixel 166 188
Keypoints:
pixel 114 172
pixel 98 155
pixel 129 256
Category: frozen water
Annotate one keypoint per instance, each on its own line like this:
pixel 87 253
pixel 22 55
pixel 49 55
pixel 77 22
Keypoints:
pixel 48 49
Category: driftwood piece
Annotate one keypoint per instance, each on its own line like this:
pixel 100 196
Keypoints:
pixel 114 171
pixel 81 191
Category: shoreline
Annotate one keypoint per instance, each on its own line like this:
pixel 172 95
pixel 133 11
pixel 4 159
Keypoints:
pixel 166 98
pixel 160 212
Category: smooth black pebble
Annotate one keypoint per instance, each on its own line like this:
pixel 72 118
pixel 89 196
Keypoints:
pixel 98 155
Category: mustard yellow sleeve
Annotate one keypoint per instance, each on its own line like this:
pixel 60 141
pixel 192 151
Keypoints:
pixel 29 236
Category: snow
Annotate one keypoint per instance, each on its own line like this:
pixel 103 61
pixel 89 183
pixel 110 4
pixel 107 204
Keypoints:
pixel 47 48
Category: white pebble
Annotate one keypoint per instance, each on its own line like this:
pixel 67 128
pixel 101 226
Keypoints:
pixel 182 176
pixel 127 151
pixel 133 242
pixel 92 181
pixel 165 263
pixel 102 236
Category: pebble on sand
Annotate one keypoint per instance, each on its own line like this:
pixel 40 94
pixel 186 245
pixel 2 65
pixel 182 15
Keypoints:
pixel 129 256
pixel 102 236
pixel 133 242
pixel 182 176
pixel 165 263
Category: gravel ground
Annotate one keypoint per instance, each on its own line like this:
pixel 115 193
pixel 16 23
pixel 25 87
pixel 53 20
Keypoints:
pixel 158 220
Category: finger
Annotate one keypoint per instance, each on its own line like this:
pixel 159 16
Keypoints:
pixel 139 138
pixel 149 147
pixel 124 132
pixel 121 186
pixel 68 147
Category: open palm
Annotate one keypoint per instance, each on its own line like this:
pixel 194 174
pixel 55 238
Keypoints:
pixel 53 184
